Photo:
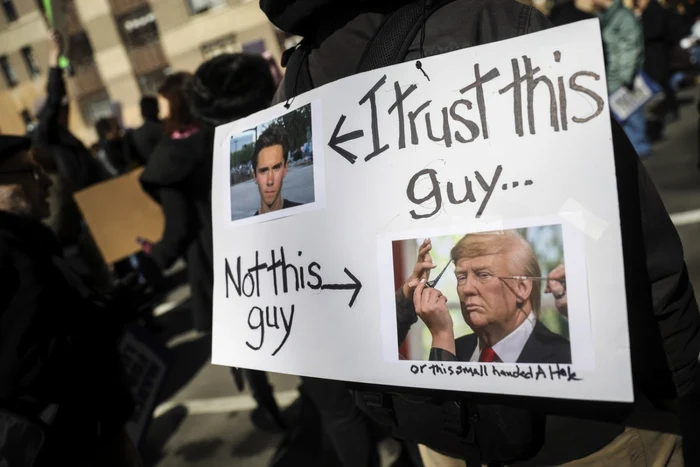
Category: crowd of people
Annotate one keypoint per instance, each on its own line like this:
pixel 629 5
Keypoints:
pixel 653 38
pixel 63 395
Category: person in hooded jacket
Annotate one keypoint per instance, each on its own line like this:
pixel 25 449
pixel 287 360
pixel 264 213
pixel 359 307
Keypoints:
pixel 664 323
pixel 178 176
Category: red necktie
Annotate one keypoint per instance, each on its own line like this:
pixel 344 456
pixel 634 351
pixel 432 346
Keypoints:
pixel 488 355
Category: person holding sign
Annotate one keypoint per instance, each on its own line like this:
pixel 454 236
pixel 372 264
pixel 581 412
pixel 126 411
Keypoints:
pixel 270 159
pixel 664 336
pixel 497 285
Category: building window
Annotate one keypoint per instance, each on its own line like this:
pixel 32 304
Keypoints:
pixel 150 82
pixel 10 11
pixel 80 50
pixel 254 47
pixel 200 6
pixel 8 72
pixel 95 106
pixel 138 27
pixel 223 45
pixel 30 62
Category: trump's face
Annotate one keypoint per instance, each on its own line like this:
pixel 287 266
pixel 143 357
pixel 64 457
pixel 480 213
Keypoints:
pixel 486 300
pixel 270 173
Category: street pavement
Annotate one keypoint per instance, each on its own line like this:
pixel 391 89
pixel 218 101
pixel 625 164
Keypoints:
pixel 298 186
pixel 203 420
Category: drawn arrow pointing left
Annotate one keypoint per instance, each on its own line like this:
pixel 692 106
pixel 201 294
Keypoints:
pixel 337 138
pixel 356 286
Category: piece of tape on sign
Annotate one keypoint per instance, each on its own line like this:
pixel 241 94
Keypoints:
pixel 583 219
pixel 490 222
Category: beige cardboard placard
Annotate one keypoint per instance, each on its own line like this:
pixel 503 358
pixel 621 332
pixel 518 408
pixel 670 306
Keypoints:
pixel 117 211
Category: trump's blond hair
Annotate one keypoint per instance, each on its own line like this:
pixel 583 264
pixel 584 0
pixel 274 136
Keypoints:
pixel 521 258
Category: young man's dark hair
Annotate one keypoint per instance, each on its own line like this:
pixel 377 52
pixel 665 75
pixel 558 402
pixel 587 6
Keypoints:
pixel 149 108
pixel 272 136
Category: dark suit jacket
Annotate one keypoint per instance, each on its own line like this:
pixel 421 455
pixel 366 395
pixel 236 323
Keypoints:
pixel 543 346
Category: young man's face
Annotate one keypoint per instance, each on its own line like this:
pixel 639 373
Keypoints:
pixel 270 173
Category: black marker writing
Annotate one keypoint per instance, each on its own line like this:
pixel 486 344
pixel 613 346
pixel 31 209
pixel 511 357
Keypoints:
pixel 478 83
pixel 434 194
pixel 371 95
pixel 578 88
pixel 398 105
pixel 553 372
pixel 259 320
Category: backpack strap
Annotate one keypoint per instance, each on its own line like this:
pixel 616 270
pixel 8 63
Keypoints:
pixel 397 32
pixel 297 78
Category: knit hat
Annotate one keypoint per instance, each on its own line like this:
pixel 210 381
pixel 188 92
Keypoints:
pixel 229 87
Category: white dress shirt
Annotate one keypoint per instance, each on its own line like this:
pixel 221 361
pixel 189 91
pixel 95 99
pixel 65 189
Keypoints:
pixel 510 347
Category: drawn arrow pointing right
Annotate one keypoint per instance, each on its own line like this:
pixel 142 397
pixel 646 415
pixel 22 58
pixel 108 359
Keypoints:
pixel 356 286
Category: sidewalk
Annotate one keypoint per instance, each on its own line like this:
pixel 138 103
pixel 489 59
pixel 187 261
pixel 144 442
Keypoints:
pixel 203 420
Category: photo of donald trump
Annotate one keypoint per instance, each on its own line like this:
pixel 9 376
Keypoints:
pixel 499 289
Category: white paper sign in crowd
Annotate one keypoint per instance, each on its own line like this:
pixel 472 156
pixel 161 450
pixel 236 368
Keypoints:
pixel 502 156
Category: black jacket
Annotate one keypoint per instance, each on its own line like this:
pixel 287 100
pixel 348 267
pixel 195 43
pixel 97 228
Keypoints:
pixel 178 176
pixel 567 13
pixel 664 322
pixel 658 40
pixel 57 343
pixel 543 346
pixel 73 161
pixel 145 139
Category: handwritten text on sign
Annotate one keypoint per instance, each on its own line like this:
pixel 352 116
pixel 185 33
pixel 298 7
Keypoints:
pixel 498 136
pixel 454 125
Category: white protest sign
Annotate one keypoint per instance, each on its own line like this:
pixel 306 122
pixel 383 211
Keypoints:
pixel 509 142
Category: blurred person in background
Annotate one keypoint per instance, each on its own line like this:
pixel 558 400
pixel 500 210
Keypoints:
pixel 571 11
pixel 72 159
pixel 224 89
pixel 63 393
pixel 178 175
pixel 662 31
pixel 146 138
pixel 113 149
pixel 623 41
pixel 71 168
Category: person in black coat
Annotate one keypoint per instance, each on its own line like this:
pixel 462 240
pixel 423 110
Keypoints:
pixel 178 176
pixel 659 37
pixel 52 136
pixel 63 394
pixel 664 323
pixel 146 138
pixel 72 168
pixel 114 148
pixel 568 12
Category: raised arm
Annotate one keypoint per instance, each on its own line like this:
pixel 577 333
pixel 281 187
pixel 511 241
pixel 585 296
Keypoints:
pixel 47 130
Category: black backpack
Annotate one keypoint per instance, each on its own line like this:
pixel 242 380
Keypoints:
pixel 449 422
